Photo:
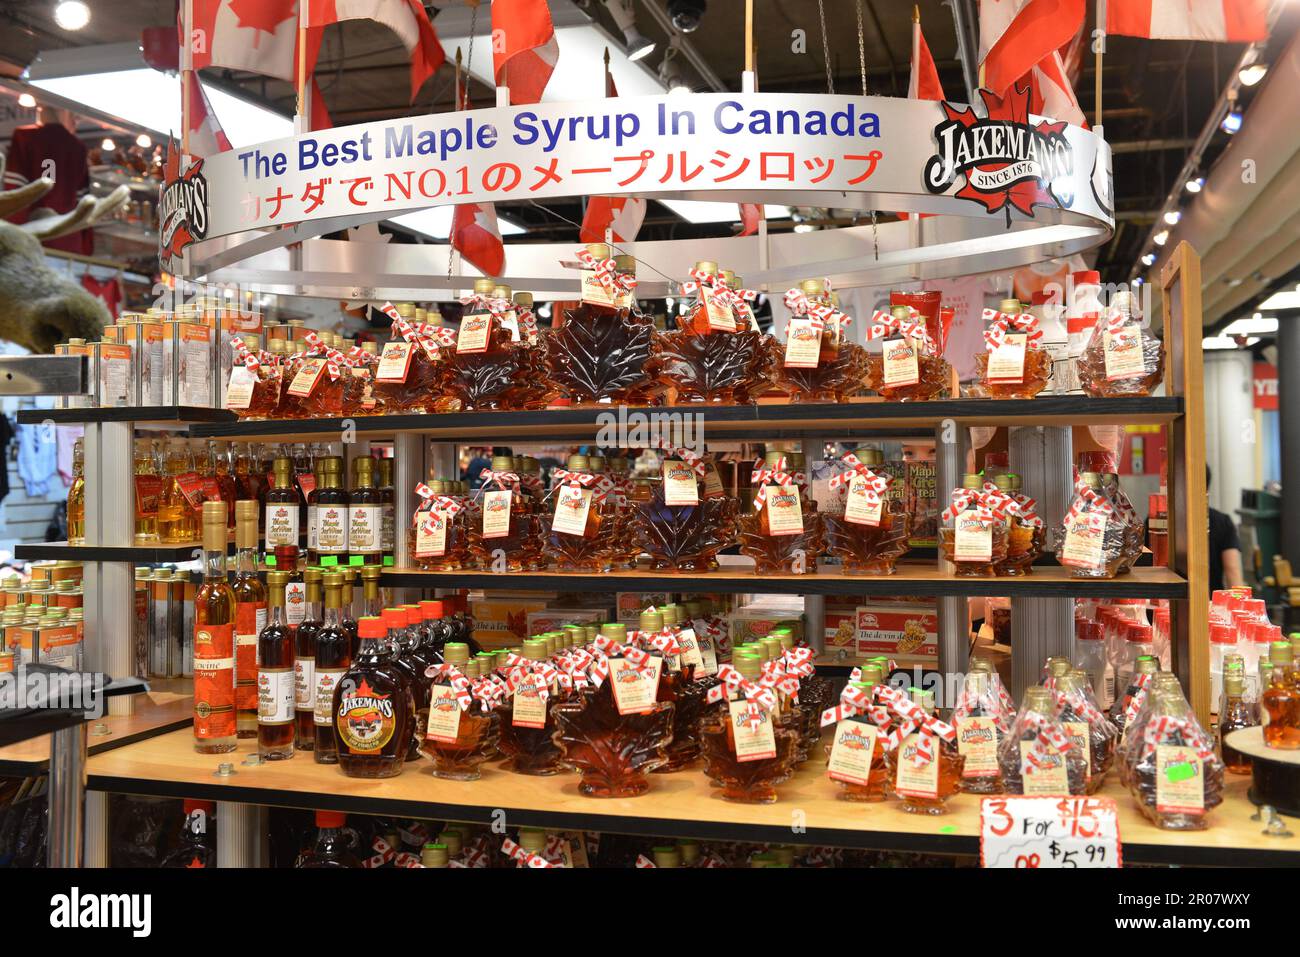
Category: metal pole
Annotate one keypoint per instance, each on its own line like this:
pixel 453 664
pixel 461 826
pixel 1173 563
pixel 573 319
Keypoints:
pixel 67 794
pixel 951 444
pixel 964 54
pixel 1288 379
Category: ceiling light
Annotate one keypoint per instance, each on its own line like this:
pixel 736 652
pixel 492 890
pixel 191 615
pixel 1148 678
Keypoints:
pixel 1285 299
pixel 26 101
pixel 1172 217
pixel 1250 75
pixel 685 14
pixel 1218 342
pixel 1161 237
pixel 1149 259
pixel 108 145
pixel 435 221
pixel 804 228
pixel 1195 184
pixel 143 141
pixel 638 45
pixel 1256 325
pixel 702 212
pixel 1232 122
pixel 71 14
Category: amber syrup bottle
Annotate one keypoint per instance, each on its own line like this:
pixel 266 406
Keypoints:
pixel 215 729
pixel 1235 715
pixel 679 685
pixel 282 506
pixel 331 531
pixel 459 739
pixel 250 619
pixel 1280 703
pixel 1059 772
pixel 332 847
pixel 528 725
pixel 484 369
pixel 978 736
pixel 371 708
pixel 507 535
pixel 387 511
pixel 195 849
pixel 403 634
pixel 365 515
pixel 972 546
pixel 181 497
pixel 580 528
pixel 219 462
pixel 77 498
pixel 925 790
pixel 784 535
pixel 855 756
pixel 305 660
pixel 275 678
pixel 1091 731
pixel 817 365
pixel 868 537
pixel 1001 380
pixel 349 606
pixel 748 763
pixel 333 658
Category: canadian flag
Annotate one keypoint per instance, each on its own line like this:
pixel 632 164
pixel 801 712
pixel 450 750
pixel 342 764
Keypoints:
pixel 1228 21
pixel 1017 35
pixel 206 136
pixel 406 18
pixel 1050 93
pixel 474 230
pixel 525 58
pixel 924 83
pixel 621 215
pixel 751 214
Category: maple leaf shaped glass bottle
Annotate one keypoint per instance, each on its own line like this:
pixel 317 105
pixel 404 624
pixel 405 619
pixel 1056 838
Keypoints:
pixel 908 367
pixel 1176 776
pixel 459 739
pixel 816 363
pixel 747 749
pixel 710 357
pixel 855 756
pixel 1025 530
pixel 678 521
pixel 972 538
pixel 599 353
pixel 1092 538
pixel 617 732
pixel 1037 758
pixel 486 366
pixel 408 377
pixel 864 529
pixel 581 529
pixel 1013 364
pixel 1121 358
pixel 677 684
pixel 528 722
pixel 782 532
pixel 438 539
pixel 535 388
pixel 980 724
pixel 506 534
pixel 255 381
pixel 1093 734
pixel 925 770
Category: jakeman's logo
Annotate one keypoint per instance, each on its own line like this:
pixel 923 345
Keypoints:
pixel 1007 162
pixel 182 209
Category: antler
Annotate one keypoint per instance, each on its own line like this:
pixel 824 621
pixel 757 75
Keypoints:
pixel 87 212
pixel 13 200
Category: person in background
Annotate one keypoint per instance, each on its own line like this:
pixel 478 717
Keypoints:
pixel 1225 548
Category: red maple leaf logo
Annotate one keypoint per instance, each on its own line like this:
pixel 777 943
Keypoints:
pixel 263 15
pixel 1024 194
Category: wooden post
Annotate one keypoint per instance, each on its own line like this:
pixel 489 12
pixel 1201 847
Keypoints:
pixel 1099 42
pixel 749 36
pixel 187 75
pixel 302 121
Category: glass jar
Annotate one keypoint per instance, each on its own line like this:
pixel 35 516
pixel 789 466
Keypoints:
pixel 855 756
pixel 864 529
pixel 1092 538
pixel 783 532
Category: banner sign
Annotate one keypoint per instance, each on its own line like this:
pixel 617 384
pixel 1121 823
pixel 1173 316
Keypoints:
pixel 813 149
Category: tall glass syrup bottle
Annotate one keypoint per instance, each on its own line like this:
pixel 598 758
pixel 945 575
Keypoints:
pixel 365 515
pixel 387 510
pixel 214 642
pixel 305 660
pixel 330 533
pixel 77 498
pixel 282 506
pixel 275 677
pixel 372 709
pixel 250 617
pixel 148 485
pixel 333 658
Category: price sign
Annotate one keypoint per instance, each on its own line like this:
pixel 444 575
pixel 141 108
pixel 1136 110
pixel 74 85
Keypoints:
pixel 1039 832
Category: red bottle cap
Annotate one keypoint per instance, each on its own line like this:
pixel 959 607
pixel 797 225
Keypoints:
pixel 286 557
pixel 191 806
pixel 1139 632
pixel 1085 630
pixel 1086 277
pixel 431 609
pixel 1043 296
pixel 394 618
pixel 1097 461
pixel 1222 634
pixel 372 627
pixel 1255 606
pixel 331 818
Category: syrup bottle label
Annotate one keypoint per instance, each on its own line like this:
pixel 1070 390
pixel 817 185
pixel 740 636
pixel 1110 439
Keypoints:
pixel 977 741
pixel 191 486
pixel 332 528
pixel 856 508
pixel 784 512
pixel 388 527
pixel 309 374
pixel 1180 780
pixel 312 526
pixel 473 333
pixel 752 744
pixel 528 708
pixel 431 544
pixel 275 696
pixel 708 656
pixel 1123 353
pixel 850 760
pixel 366 719
pixel 690 646
pixel 510 322
pixel 363 528
pixel 712 481
pixel 1080 736
pixel 595 293
pixel 496 513
pixel 720 315
pixel 239 391
pixel 901 366
pixel 306 483
pixel 803 343
pixel 444 715
pixel 1083 541
pixel 1007 361
pixel 571 508
pixel 250 619
pixel 680 487
pixel 395 362
pixel 972 539
pixel 327 680
pixel 295 603
pixel 634 690
pixel 911 781
pixel 214 681
pixel 304 684
pixel 281 524
pixel 1043 781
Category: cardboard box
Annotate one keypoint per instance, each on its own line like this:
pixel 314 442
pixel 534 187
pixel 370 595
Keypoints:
pixel 898 628
pixel 841 629
pixel 755 621
pixel 632 603
pixel 503 622
pixel 553 619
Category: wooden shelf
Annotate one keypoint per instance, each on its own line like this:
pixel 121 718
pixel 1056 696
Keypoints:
pixel 860 419
pixel 156 713
pixel 139 554
pixel 681 805
pixel 1045 582
pixel 162 416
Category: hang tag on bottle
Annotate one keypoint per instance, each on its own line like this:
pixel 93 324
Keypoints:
pixel 309 374
pixel 720 314
pixel 444 715
pixel 712 481
pixel 900 362
pixel 239 391
pixel 1006 363
pixel 191 486
pixel 708 651
pixel 803 343
pixel 857 509
pixel 510 322
pixel 430 543
pixel 690 645
pixel 496 513
pixel 972 539
pixel 752 744
pixel 395 362
pixel 147 490
pixel 851 752
pixel 1080 736
pixel 977 741
pixel 572 504
pixel 1123 353
pixel 472 336
pixel 595 293
pixel 1049 778
pixel 784 511
pixel 1084 537
pixel 911 781
pixel 1180 780
pixel 634 690
pixel 528 707
pixel 680 487
pixel 306 483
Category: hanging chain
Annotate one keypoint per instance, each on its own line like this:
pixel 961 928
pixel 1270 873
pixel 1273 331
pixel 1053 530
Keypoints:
pixel 862 47
pixel 826 47
pixel 460 99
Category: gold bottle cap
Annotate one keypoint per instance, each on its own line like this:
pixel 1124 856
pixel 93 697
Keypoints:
pixel 1091 479
pixel 472 669
pixel 1038 699
pixel 484 286
pixel 598 250
pixel 439 487
pixel 452 841
pixel 774 457
pixel 972 482
pixel 1281 653
pixel 977 682
pixel 524 299
pixel 532 840
pixel 813 287
pixel 529 463
pixel 749 666
pixel 667 857
pixel 772 648
pixel 435 855
pixel 672 615
pixel 625 264
pixel 617 463
pixel 899 312
pixel 589 632
pixel 692 609
pixel 795 460
pixel 873 674
pixel 1147 665
pixel 384 466
pixel 596 463
pixel 406 309
pixel 1010 306
pixel 1058 666
pixel 371 573
pixel 1003 482
pixel 728 276
pixel 784 855
pixel 163 574
pixel 331 463
pixel 1016 482
pixel 503 463
pixel 1234 684
pixel 614 630
pixel 502 292
pixel 651 620
pixel 578 463
pixel 535 649
pixel 1069 682
pixel 706 267
pixel 455 653
pixel 869 455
